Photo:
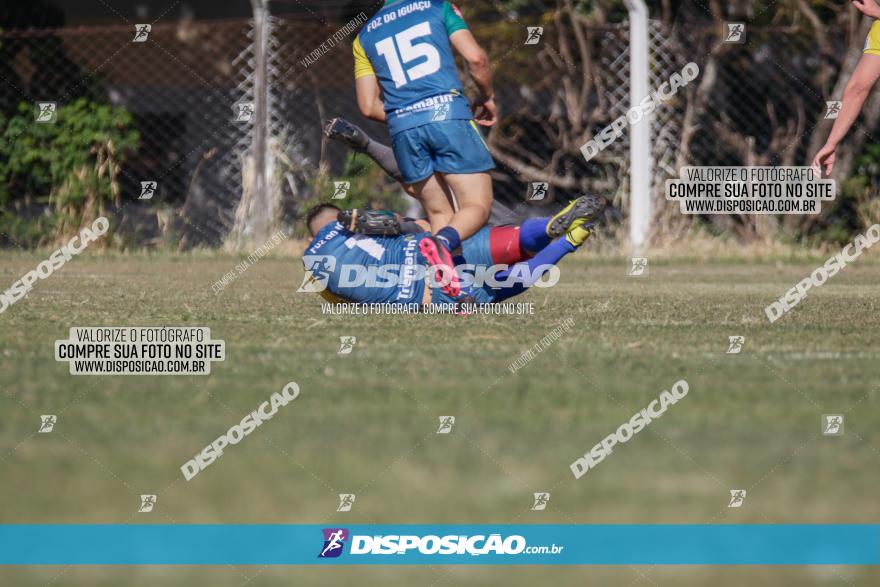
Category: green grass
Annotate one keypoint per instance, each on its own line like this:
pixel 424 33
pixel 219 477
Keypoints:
pixel 365 423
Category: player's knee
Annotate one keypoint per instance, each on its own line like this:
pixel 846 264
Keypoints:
pixel 481 210
pixel 438 214
pixel 485 211
pixel 439 221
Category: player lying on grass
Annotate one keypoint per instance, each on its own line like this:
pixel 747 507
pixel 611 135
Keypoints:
pixel 345 266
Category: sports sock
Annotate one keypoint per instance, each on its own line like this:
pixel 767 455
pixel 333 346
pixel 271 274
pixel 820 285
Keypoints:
pixel 384 156
pixel 504 245
pixel 525 274
pixel 449 237
pixel 533 234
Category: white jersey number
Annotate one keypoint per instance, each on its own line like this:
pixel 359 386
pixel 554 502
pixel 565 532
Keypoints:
pixel 402 43
pixel 371 246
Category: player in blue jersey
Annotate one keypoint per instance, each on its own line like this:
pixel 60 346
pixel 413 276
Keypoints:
pixel 341 130
pixel 405 75
pixel 345 266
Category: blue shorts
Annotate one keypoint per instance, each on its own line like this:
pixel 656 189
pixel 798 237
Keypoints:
pixel 446 146
pixel 475 251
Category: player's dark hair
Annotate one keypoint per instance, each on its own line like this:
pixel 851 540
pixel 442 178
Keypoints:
pixel 315 210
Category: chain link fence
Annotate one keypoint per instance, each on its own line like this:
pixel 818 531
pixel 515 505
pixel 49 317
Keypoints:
pixel 190 88
pixel 180 85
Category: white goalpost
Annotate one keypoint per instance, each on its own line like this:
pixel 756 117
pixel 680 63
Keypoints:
pixel 639 133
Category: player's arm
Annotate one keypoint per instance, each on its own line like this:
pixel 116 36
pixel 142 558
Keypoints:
pixel 369 98
pixel 854 95
pixel 369 93
pixel 477 62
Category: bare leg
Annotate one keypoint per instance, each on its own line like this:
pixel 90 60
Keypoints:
pixel 473 192
pixel 436 199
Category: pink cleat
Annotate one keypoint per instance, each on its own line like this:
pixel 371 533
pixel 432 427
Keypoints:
pixel 438 257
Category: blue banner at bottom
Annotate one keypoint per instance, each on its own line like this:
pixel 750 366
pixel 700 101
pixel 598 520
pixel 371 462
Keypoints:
pixel 524 544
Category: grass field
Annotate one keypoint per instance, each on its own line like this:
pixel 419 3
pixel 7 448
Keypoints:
pixel 366 423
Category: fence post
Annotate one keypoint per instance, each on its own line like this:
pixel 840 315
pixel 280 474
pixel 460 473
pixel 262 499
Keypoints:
pixel 639 133
pixel 261 206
